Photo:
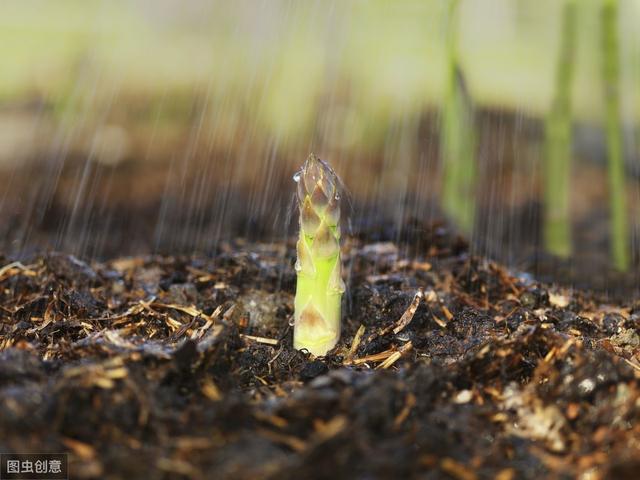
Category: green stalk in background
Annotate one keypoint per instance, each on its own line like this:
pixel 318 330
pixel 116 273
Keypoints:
pixel 559 137
pixel 320 287
pixel 615 160
pixel 457 137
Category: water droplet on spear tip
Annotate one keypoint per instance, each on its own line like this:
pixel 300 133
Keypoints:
pixel 292 321
pixel 296 177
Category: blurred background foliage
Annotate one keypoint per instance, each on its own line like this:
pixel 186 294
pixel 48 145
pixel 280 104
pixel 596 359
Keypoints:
pixel 178 110
pixel 281 63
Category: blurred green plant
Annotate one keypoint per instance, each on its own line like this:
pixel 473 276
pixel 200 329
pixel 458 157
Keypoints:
pixel 615 161
pixel 457 138
pixel 558 143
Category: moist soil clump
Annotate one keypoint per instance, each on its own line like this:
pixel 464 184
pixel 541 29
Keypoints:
pixel 449 366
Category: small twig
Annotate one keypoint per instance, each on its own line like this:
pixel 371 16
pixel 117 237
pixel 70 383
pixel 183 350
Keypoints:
pixel 633 365
pixel 18 266
pixel 274 420
pixel 355 344
pixel 275 357
pixel 189 310
pixel 184 329
pixel 375 357
pixel 199 333
pixel 406 410
pixel 132 311
pixel 408 315
pixel 395 356
pixel 447 313
pixel 439 321
pixel 264 340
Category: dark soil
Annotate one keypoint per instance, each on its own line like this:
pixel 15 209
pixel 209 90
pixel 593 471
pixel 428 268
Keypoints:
pixel 183 367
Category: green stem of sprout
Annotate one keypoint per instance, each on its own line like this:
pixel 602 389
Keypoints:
pixel 319 280
pixel 457 137
pixel 559 136
pixel 616 172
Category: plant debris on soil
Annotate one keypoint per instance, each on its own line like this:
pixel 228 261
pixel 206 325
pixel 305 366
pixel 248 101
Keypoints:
pixel 449 366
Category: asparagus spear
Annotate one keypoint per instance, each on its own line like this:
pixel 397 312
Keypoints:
pixel 320 287
pixel 615 160
pixel 559 137
pixel 457 136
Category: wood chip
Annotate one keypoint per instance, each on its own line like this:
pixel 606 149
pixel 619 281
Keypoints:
pixel 81 449
pixel 506 474
pixel 573 410
pixel 193 443
pixel 210 390
pixel 331 428
pixel 457 470
pixel 424 266
pixel 274 420
pixel 126 263
pixel 179 467
pixel 558 300
pixel 290 441
pixel 408 315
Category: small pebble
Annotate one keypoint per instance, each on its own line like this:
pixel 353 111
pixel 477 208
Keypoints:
pixel 586 386
pixel 464 396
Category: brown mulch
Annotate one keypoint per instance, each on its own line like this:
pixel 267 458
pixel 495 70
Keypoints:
pixel 182 367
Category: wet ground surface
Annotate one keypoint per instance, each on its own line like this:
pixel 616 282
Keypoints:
pixel 136 208
pixel 183 367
